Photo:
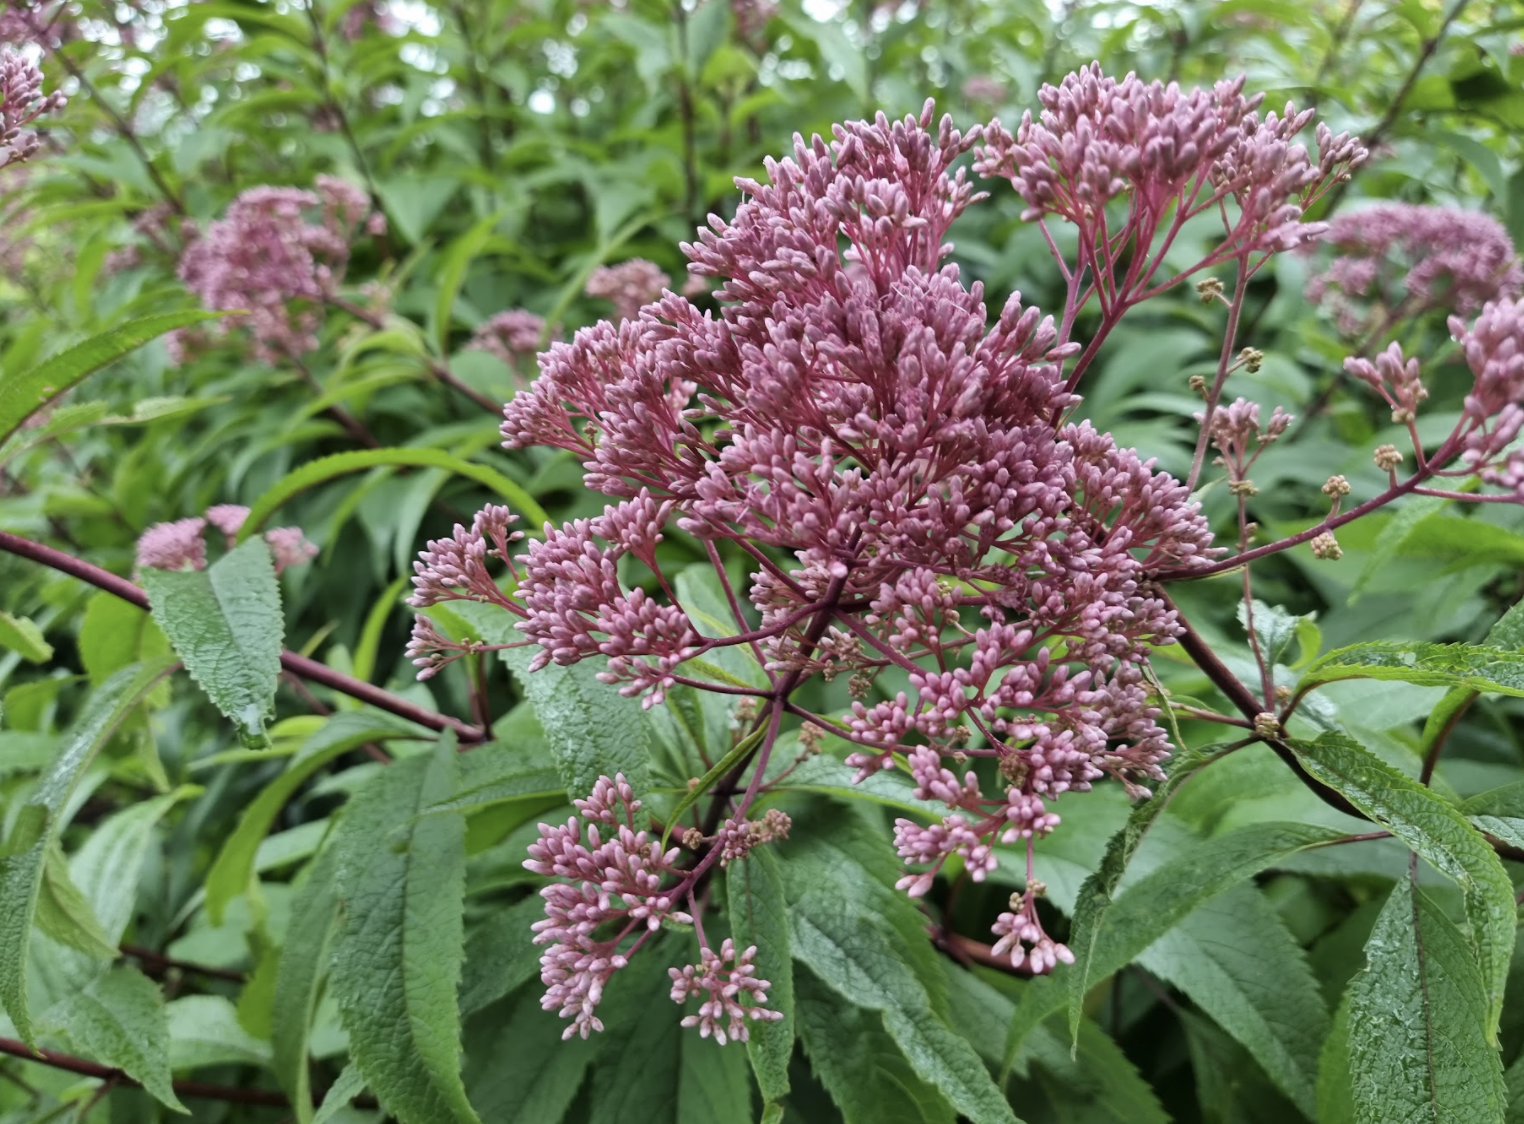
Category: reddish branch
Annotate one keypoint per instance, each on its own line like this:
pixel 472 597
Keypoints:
pixel 157 961
pixel 308 669
pixel 196 1089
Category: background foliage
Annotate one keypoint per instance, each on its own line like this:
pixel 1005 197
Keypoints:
pixel 182 873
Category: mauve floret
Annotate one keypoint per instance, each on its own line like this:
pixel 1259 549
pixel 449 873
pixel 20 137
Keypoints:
pixel 1023 939
pixel 21 102
pixel 628 285
pixel 181 544
pixel 1417 257
pixel 1494 410
pixel 513 336
pixel 174 546
pixel 723 988
pixel 1098 138
pixel 617 875
pixel 289 547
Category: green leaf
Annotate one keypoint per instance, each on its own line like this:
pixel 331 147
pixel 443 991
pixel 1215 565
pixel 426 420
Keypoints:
pixel 1440 834
pixel 1160 900
pixel 1499 812
pixel 1408 515
pixel 1508 634
pixel 1094 1083
pixel 299 977
pixel 328 468
pixel 1474 666
pixel 501 955
pixel 457 260
pixel 1235 960
pixel 831 777
pixel 22 636
pixel 1334 1103
pixel 364 662
pixel 23 395
pixel 499 773
pixel 524 1071
pixel 115 633
pixel 234 865
pixel 225 623
pixel 349 1085
pixel 641 1056
pixel 697 792
pixel 1419 1046
pixel 860 1066
pixel 1274 628
pixel 759 916
pixel 204 1031
pixel 118 1020
pixel 713 1083
pixel 1095 895
pixel 855 953
pixel 593 731
pixel 65 915
pixel 397 958
pixel 36 827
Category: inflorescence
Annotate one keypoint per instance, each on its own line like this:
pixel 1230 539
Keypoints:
pixel 898 466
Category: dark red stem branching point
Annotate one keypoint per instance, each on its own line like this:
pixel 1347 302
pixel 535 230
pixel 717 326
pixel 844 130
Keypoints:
pixel 303 666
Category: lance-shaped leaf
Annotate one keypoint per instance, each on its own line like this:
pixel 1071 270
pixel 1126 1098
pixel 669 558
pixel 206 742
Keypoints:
pixel 1159 901
pixel 328 468
pixel 1095 895
pixel 299 977
pixel 22 636
pixel 36 826
pixel 118 1020
pixel 65 915
pixel 759 916
pixel 1477 666
pixel 1418 1043
pixel 225 623
pixel 856 954
pixel 865 1073
pixel 23 395
pixel 234 865
pixel 591 729
pixel 397 958
pixel 1237 962
pixel 1439 833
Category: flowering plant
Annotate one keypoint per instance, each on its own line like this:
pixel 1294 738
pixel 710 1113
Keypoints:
pixel 947 645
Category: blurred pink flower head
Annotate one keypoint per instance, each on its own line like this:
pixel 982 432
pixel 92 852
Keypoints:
pixel 181 545
pixel 513 336
pixel 1414 258
pixel 628 285
pixel 278 254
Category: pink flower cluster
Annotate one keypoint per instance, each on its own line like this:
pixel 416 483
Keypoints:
pixel 513 336
pixel 21 103
pixel 862 412
pixel 616 898
pixel 628 285
pixel 1400 256
pixel 1168 150
pixel 1494 410
pixel 278 254
pixel 181 545
pixel 723 988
